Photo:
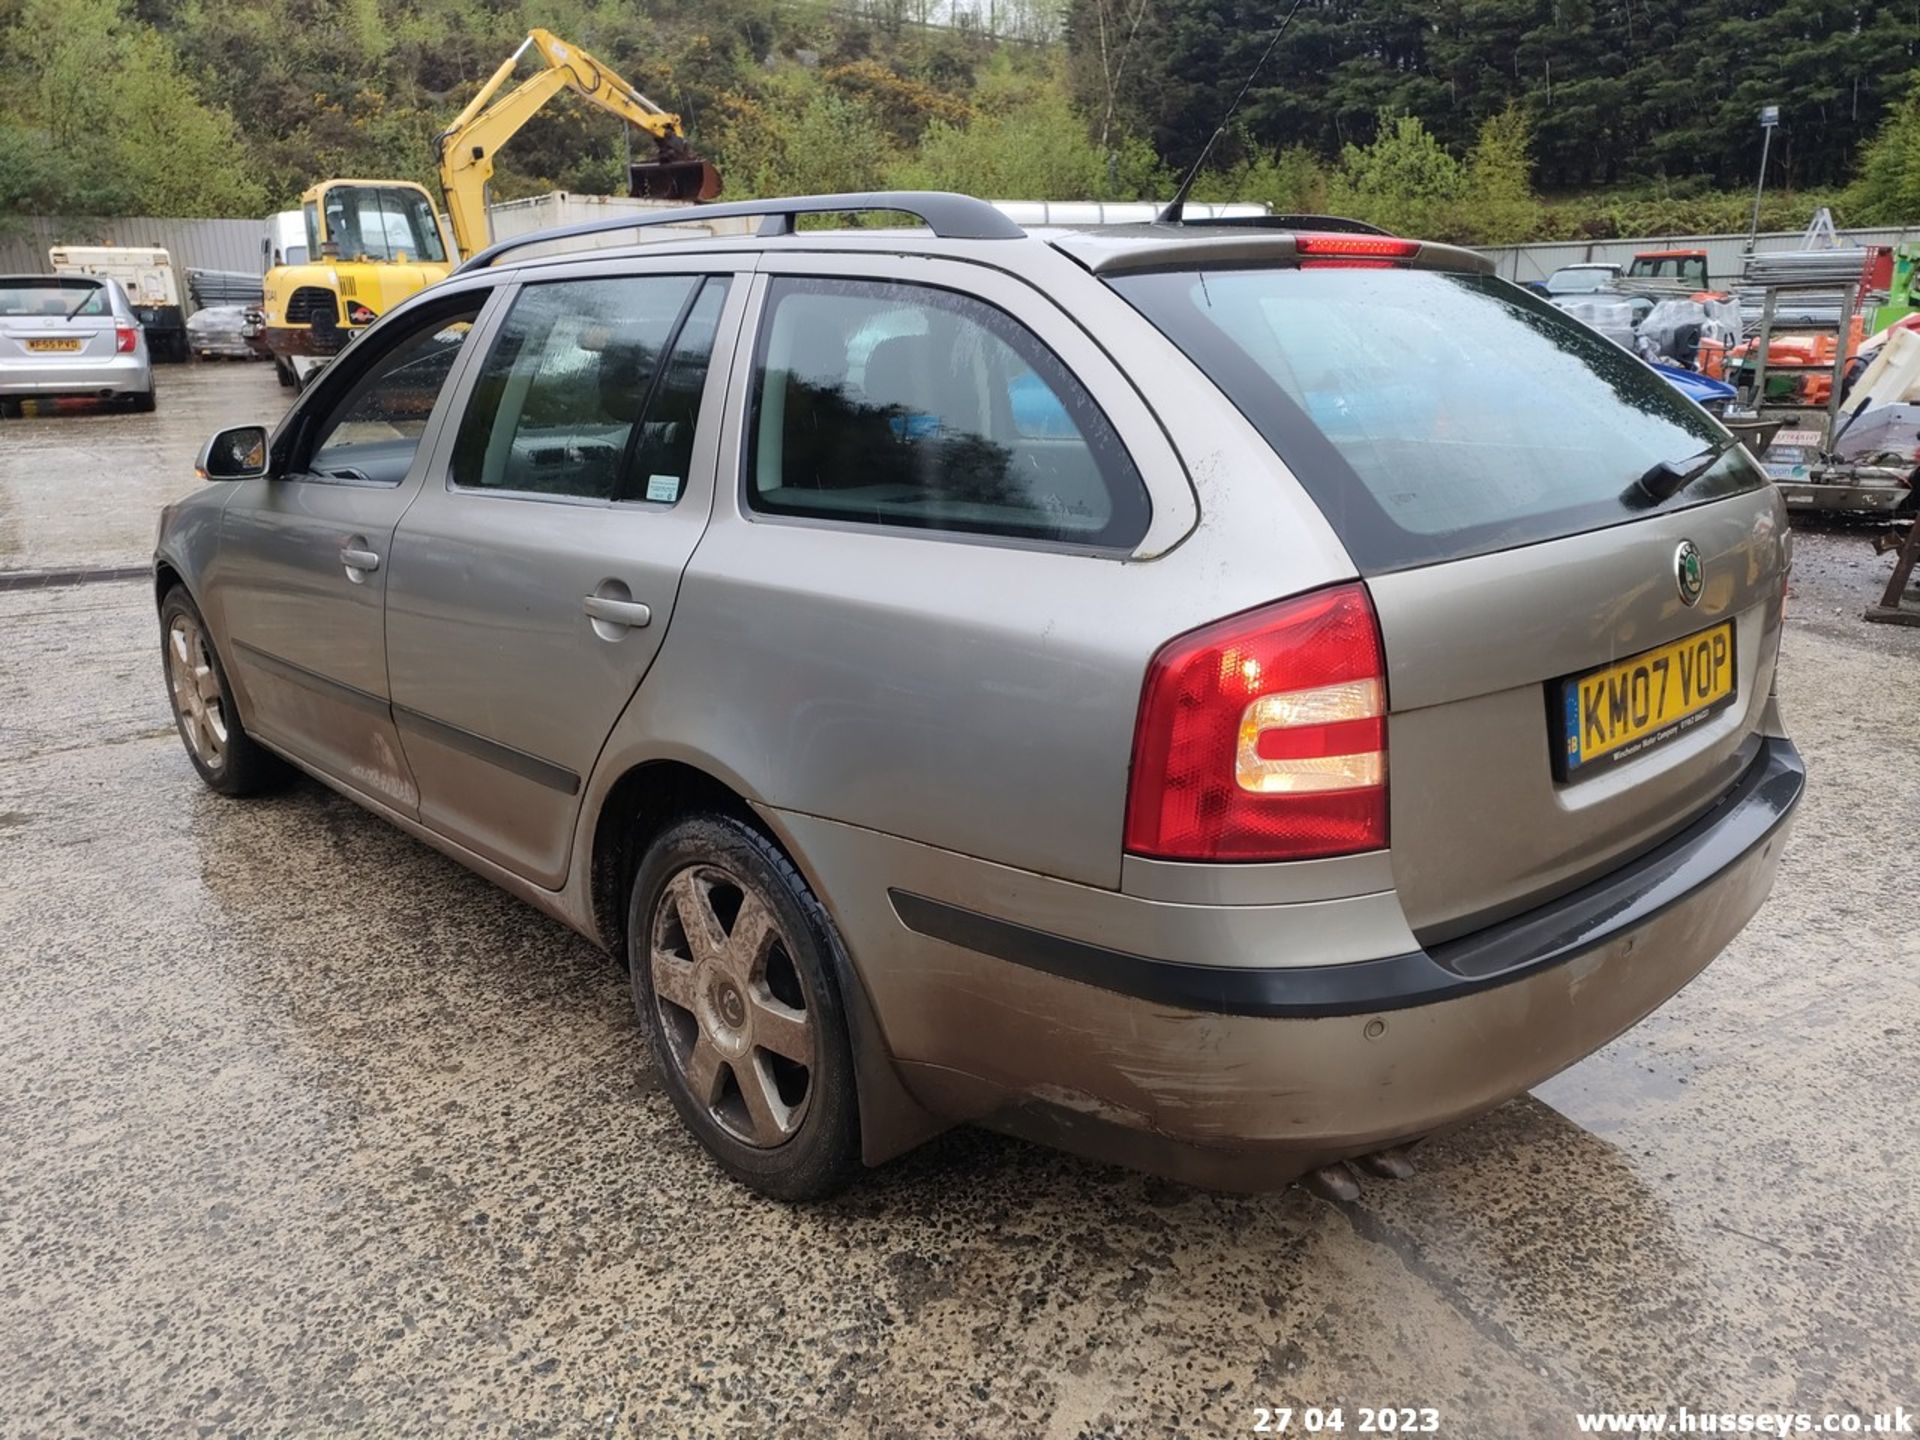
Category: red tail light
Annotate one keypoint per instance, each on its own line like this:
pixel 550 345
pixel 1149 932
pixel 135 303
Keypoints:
pixel 1356 247
pixel 1264 737
pixel 358 314
pixel 125 337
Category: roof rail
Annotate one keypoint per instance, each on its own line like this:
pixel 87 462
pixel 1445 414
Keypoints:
pixel 949 216
pixel 1338 223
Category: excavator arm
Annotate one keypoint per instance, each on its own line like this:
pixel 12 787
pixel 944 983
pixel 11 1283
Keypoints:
pixel 467 146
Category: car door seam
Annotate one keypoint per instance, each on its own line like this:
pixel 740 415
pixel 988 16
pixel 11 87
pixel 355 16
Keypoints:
pixel 731 395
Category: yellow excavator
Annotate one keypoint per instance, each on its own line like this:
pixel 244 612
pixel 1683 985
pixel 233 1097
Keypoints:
pixel 373 243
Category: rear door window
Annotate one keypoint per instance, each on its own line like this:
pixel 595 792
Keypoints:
pixel 573 398
pixel 1434 415
pixel 906 405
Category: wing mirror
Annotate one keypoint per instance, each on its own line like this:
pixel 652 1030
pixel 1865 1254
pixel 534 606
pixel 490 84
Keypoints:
pixel 236 454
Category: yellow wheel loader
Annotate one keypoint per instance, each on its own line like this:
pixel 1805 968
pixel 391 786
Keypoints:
pixel 373 243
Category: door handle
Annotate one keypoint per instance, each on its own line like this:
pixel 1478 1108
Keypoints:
pixel 629 613
pixel 359 559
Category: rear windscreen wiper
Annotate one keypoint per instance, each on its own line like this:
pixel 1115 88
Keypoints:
pixel 1666 479
pixel 85 300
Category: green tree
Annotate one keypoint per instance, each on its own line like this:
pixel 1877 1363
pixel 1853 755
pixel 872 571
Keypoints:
pixel 1619 91
pixel 1887 191
pixel 178 157
pixel 99 117
pixel 1498 203
pixel 1404 181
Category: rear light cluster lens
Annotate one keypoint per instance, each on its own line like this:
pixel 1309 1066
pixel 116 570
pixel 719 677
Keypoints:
pixel 125 337
pixel 1264 737
pixel 358 314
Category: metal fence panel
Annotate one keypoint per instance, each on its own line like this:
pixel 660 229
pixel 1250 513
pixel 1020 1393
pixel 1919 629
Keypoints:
pixel 193 244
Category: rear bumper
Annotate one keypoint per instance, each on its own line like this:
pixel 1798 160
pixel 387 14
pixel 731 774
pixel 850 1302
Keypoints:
pixel 122 375
pixel 226 347
pixel 1245 1078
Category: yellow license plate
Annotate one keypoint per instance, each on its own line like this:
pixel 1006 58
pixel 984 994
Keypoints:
pixel 44 346
pixel 1624 709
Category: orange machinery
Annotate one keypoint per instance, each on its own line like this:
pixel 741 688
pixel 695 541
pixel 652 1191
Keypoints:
pixel 1800 364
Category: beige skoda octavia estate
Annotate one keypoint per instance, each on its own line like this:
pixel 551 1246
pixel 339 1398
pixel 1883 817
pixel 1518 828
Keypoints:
pixel 1228 698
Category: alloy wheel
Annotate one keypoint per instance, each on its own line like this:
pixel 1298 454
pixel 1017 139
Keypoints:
pixel 732 1006
pixel 197 701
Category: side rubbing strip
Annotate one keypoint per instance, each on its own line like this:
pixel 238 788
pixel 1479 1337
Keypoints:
pixel 308 680
pixel 504 757
pixel 1362 987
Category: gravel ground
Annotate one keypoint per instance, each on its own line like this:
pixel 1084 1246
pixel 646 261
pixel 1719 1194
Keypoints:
pixel 310 1132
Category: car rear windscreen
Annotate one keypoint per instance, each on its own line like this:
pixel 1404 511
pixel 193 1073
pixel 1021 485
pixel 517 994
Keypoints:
pixel 53 297
pixel 1434 415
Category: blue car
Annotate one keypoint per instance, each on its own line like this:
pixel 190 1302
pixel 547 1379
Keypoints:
pixel 1709 394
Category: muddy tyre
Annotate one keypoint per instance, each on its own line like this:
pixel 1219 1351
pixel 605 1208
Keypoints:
pixel 732 965
pixel 228 759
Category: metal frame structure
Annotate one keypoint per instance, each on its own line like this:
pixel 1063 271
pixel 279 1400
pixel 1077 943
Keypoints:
pixel 1829 484
pixel 1764 341
pixel 1890 610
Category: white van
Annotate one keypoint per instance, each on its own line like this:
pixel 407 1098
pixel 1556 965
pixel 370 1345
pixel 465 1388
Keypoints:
pixel 286 240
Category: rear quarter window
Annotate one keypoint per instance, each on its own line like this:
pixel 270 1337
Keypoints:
pixel 877 403
pixel 1433 415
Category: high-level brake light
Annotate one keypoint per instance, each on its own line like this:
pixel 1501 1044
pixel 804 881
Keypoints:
pixel 1339 245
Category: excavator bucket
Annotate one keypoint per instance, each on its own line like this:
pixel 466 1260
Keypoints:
pixel 683 178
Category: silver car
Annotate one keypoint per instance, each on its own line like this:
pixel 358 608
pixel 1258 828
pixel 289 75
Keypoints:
pixel 1230 699
pixel 71 335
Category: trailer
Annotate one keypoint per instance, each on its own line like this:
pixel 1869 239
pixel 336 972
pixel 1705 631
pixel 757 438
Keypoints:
pixel 147 274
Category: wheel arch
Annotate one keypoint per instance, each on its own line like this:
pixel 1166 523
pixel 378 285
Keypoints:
pixel 166 575
pixel 649 796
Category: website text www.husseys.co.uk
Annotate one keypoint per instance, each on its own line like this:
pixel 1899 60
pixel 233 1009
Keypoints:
pixel 1685 1421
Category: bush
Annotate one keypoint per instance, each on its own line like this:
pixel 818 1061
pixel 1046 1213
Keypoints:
pixel 1290 182
pixel 803 139
pixel 1625 214
pixel 1035 147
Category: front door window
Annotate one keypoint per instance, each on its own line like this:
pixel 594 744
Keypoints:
pixel 373 432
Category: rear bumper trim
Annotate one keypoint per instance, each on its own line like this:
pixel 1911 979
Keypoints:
pixel 1746 817
pixel 86 376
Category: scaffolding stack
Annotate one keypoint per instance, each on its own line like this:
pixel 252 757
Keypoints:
pixel 1825 286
